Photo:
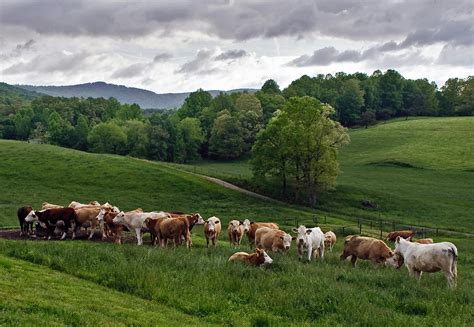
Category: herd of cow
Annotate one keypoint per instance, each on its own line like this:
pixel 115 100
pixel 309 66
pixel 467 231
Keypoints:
pixel 422 255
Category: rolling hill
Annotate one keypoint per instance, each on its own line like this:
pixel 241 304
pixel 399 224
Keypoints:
pixel 144 98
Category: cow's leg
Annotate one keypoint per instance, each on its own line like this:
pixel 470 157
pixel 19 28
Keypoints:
pixel 310 253
pixel 353 260
pixel 450 278
pixel 207 242
pixel 138 231
pixel 321 252
pixel 344 256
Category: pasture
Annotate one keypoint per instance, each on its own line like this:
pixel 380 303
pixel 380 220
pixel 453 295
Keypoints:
pixel 83 282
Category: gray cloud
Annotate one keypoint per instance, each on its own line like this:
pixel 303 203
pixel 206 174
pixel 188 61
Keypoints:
pixel 162 57
pixel 130 71
pixel 49 63
pixel 200 63
pixel 231 54
pixel 326 56
pixel 18 50
pixel 25 46
pixel 456 56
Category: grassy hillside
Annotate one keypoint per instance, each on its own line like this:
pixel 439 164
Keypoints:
pixel 183 286
pixel 418 171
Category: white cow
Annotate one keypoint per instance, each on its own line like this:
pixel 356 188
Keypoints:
pixel 135 220
pixel 419 258
pixel 310 240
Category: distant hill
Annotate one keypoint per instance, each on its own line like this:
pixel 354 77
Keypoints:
pixel 9 92
pixel 144 98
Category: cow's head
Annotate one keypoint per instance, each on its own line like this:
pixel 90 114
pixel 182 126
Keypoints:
pixel 396 261
pixel 302 235
pixel 199 220
pixel 101 214
pixel 211 224
pixel 31 217
pixel 234 226
pixel 246 225
pixel 60 227
pixel 286 241
pixel 400 245
pixel 115 209
pixel 262 254
pixel 120 218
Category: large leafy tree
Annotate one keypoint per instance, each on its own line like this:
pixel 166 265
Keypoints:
pixel 107 137
pixel 192 137
pixel 195 103
pixel 226 140
pixel 350 102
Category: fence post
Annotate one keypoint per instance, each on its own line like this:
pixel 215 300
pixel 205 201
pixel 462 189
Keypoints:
pixel 360 229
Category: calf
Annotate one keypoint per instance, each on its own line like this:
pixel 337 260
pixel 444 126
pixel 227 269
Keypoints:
pixel 329 240
pixel 367 248
pixel 48 218
pixel 402 233
pixel 419 258
pixel 26 228
pixel 310 240
pixel 258 258
pixel 212 229
pixel 250 228
pixel 235 231
pixel 272 239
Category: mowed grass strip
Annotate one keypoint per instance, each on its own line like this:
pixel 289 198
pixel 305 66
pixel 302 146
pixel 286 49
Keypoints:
pixel 36 295
pixel 201 283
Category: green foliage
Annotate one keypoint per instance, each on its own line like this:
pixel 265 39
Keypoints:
pixel 137 138
pixel 270 87
pixel 192 135
pixel 129 112
pixel 350 102
pixel 107 138
pixel 195 103
pixel 226 141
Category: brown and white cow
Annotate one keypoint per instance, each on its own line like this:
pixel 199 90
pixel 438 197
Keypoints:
pixel 49 217
pixel 368 248
pixel 47 205
pixel 26 228
pixel 135 220
pixel 392 236
pixel 212 229
pixel 329 240
pixel 235 231
pixel 258 258
pixel 272 239
pixel 419 258
pixel 250 228
pixel 108 227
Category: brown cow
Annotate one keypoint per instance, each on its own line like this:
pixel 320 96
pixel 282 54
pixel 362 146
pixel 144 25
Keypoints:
pixel 48 219
pixel 26 228
pixel 272 239
pixel 392 236
pixel 250 228
pixel 368 248
pixel 212 229
pixel 153 227
pixel 190 220
pixel 329 240
pixel 109 228
pixel 169 228
pixel 235 231
pixel 258 258
pixel 424 241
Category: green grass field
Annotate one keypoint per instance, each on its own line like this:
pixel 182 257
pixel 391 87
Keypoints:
pixel 85 283
pixel 419 171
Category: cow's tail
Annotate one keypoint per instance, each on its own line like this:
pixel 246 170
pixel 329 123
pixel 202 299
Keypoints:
pixel 454 263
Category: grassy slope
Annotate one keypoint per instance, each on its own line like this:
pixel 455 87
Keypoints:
pixel 376 166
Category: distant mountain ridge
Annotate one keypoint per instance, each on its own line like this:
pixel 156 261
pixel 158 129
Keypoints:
pixel 144 98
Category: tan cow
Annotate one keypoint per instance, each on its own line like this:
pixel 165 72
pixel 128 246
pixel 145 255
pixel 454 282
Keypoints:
pixel 392 236
pixel 235 231
pixel 368 248
pixel 424 241
pixel 86 218
pixel 75 204
pixel 47 205
pixel 272 239
pixel 212 229
pixel 168 228
pixel 258 258
pixel 329 240
pixel 250 228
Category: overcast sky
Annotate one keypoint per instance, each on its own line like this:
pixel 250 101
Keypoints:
pixel 175 46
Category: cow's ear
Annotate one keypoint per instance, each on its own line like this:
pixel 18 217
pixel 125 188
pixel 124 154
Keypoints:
pixel 217 221
pixel 241 222
pixel 294 230
pixel 251 223
pixel 308 231
pixel 397 240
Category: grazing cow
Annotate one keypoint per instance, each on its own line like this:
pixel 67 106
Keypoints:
pixel 251 227
pixel 168 228
pixel 49 217
pixel 272 239
pixel 135 220
pixel 212 229
pixel 329 240
pixel 258 258
pixel 392 236
pixel 310 240
pixel 109 229
pixel 235 230
pixel 25 227
pixel 368 248
pixel 419 258
pixel 47 205
pixel 425 241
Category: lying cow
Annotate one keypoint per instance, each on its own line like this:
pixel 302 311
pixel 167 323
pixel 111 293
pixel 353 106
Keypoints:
pixel 235 231
pixel 329 240
pixel 258 258
pixel 26 228
pixel 50 217
pixel 419 258
pixel 392 236
pixel 368 248
pixel 250 228
pixel 212 229
pixel 47 205
pixel 310 240
pixel 424 241
pixel 135 220
pixel 272 239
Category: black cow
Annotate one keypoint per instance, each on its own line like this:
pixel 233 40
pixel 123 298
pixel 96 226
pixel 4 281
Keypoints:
pixel 25 227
